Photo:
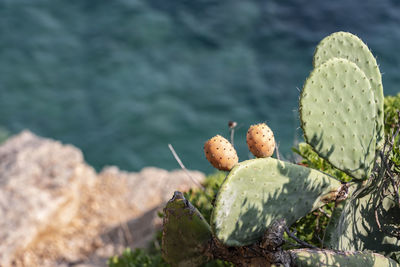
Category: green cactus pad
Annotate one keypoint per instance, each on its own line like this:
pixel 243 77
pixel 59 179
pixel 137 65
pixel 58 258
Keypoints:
pixel 334 220
pixel 337 112
pixel 357 228
pixel 185 235
pixel 257 192
pixel 348 46
pixel 312 258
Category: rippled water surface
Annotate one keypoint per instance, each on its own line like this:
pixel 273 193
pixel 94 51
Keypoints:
pixel 122 79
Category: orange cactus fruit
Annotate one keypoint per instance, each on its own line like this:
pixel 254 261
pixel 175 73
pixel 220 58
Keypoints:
pixel 220 153
pixel 260 140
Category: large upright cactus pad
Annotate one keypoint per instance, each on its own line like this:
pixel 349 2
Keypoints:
pixel 186 234
pixel 259 191
pixel 348 46
pixel 337 111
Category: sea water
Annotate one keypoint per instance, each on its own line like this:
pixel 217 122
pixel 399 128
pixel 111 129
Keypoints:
pixel 123 79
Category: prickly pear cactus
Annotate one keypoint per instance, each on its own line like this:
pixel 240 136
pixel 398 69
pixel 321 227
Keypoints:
pixel 348 46
pixel 337 114
pixel 341 113
pixel 259 191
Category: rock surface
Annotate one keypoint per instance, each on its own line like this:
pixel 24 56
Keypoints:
pixel 59 212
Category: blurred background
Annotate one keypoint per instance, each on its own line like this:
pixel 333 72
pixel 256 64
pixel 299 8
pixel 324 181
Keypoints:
pixel 121 79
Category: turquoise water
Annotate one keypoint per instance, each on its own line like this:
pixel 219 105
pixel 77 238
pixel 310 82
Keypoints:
pixel 121 79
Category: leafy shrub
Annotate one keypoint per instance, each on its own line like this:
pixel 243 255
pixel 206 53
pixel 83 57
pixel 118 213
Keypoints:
pixel 391 109
pixel 203 199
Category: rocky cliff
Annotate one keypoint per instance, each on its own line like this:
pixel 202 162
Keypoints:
pixel 56 210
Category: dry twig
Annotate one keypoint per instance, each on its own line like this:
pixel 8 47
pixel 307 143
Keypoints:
pixel 183 167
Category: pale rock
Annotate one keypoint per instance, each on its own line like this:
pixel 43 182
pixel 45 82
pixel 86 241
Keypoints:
pixel 56 211
pixel 39 185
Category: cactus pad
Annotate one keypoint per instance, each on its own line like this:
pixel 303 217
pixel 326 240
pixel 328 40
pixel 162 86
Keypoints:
pixel 185 235
pixel 259 191
pixel 357 228
pixel 337 111
pixel 348 46
pixel 311 258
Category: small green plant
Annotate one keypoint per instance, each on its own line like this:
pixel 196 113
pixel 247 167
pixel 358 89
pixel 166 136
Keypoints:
pixel 311 159
pixel 341 114
pixel 203 199
pixel 392 108
pixel 137 258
